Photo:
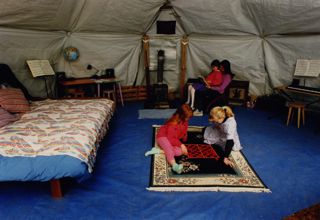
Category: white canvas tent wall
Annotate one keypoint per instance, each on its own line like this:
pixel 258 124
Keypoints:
pixel 262 38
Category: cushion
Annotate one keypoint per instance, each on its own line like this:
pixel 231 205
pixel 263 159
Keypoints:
pixel 6 117
pixel 13 100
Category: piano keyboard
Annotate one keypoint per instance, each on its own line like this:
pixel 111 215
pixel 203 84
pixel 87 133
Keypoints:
pixel 305 89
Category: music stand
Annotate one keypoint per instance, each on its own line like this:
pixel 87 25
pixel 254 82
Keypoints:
pixel 306 69
pixel 42 69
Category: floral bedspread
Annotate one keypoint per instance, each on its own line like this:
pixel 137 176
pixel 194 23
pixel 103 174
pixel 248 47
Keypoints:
pixel 58 127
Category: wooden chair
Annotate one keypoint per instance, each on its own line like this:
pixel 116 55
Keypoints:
pixel 110 94
pixel 299 107
pixel 75 93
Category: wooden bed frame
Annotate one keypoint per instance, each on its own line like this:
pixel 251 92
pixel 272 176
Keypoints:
pixel 56 191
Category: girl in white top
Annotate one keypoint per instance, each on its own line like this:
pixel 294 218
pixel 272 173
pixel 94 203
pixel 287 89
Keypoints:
pixel 223 132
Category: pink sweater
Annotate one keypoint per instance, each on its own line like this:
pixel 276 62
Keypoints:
pixel 174 133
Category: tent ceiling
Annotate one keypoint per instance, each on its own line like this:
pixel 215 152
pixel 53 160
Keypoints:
pixel 262 39
pixel 80 15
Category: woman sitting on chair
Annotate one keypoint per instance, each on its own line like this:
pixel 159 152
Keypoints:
pixel 213 79
pixel 227 76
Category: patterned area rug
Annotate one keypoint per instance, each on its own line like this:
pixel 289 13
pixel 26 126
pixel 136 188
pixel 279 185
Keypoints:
pixel 203 171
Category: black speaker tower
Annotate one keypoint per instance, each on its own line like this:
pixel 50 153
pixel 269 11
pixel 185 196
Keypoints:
pixel 158 93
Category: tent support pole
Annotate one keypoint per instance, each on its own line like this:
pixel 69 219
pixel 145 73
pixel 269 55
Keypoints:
pixel 184 44
pixel 146 54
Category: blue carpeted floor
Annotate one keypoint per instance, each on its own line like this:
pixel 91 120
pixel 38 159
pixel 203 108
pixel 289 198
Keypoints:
pixel 287 159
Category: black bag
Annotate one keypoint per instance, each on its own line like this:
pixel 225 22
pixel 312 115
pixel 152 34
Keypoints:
pixel 109 73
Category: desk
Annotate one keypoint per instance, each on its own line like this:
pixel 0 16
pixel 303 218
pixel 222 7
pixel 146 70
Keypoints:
pixel 98 82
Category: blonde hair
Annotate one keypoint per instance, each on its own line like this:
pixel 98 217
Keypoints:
pixel 221 112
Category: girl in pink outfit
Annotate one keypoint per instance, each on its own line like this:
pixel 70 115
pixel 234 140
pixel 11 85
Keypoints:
pixel 171 134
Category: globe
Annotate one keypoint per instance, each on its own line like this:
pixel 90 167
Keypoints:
pixel 71 54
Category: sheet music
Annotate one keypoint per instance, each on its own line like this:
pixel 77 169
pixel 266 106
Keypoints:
pixel 40 68
pixel 314 68
pixel 307 68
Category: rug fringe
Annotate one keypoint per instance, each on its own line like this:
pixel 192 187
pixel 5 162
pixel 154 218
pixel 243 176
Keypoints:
pixel 207 189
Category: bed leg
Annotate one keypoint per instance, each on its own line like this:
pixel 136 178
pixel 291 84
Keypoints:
pixel 56 189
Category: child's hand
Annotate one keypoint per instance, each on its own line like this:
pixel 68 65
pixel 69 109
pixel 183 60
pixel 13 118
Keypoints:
pixel 184 149
pixel 228 162
pixel 206 82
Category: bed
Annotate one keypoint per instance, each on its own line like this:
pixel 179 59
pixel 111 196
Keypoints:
pixel 55 139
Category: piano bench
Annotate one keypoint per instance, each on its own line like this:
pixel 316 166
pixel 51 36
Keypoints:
pixel 296 106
